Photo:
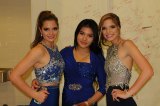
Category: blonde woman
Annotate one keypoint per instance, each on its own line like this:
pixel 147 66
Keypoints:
pixel 119 61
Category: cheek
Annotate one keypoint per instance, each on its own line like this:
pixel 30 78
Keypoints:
pixel 117 31
pixel 44 34
pixel 90 40
pixel 105 37
pixel 103 32
pixel 79 37
pixel 56 32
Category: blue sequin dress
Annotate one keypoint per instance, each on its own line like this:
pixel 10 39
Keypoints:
pixel 50 73
pixel 80 76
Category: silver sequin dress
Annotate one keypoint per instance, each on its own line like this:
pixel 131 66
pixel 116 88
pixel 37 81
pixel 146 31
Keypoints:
pixel 118 77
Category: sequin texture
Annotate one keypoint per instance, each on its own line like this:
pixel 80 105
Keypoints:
pixel 51 72
pixel 117 73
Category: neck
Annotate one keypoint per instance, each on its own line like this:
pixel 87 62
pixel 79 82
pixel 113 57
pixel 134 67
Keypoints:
pixel 117 41
pixel 49 44
pixel 82 54
pixel 82 51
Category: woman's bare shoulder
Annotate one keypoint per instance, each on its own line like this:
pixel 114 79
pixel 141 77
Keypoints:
pixel 37 51
pixel 128 43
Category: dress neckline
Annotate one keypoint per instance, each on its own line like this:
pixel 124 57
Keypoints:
pixel 53 49
pixel 75 59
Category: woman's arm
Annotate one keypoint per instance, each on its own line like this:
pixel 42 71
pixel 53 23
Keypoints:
pixel 145 68
pixel 101 77
pixel 143 64
pixel 26 63
pixel 91 101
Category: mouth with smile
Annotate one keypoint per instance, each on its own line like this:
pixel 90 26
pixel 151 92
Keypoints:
pixel 51 37
pixel 108 36
pixel 83 43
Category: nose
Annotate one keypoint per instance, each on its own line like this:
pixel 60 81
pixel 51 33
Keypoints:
pixel 108 31
pixel 50 32
pixel 85 37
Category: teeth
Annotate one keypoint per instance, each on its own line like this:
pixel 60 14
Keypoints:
pixel 109 36
pixel 51 37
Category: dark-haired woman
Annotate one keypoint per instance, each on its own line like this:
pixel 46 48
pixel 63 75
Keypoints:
pixel 84 63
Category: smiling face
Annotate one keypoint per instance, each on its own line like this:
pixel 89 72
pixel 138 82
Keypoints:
pixel 85 37
pixel 49 31
pixel 110 30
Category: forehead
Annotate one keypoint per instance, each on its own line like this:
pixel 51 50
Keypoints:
pixel 108 22
pixel 86 30
pixel 49 23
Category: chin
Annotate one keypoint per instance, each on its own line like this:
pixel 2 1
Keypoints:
pixel 84 46
pixel 110 39
pixel 52 40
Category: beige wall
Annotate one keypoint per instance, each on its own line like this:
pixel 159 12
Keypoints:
pixel 18 27
pixel 15 31
pixel 15 38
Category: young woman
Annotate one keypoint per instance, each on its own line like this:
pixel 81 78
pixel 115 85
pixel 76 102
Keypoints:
pixel 119 62
pixel 46 60
pixel 84 63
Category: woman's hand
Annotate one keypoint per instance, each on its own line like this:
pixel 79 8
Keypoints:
pixel 41 96
pixel 120 93
pixel 35 84
pixel 82 104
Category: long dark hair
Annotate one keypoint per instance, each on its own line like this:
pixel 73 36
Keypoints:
pixel 94 27
pixel 43 16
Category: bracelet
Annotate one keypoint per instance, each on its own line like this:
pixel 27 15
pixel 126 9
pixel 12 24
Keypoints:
pixel 86 102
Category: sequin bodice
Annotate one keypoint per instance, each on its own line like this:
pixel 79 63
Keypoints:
pixel 51 73
pixel 117 73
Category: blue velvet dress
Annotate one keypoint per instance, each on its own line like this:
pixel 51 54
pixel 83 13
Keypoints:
pixel 80 76
pixel 50 73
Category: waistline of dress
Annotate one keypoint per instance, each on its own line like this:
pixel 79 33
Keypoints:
pixel 77 86
pixel 121 85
